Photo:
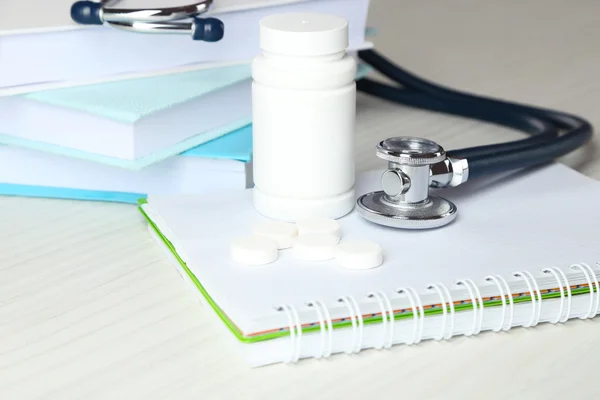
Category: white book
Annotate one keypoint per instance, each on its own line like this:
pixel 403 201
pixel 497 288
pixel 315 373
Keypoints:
pixel 44 48
pixel 508 227
pixel 221 164
pixel 31 173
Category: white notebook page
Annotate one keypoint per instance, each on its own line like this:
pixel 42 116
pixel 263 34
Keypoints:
pixel 541 218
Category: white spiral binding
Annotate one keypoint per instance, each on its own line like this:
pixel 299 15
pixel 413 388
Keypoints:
pixel 413 297
pixel 436 287
pixel 325 350
pixel 452 311
pixel 385 310
pixel 355 314
pixel 583 267
pixel 534 292
pixel 556 272
pixel 597 309
pixel 477 315
pixel 525 276
pixel 495 280
pixel 597 290
pixel 503 325
pixel 447 304
pixel 294 322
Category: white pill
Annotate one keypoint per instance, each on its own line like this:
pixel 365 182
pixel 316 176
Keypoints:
pixel 320 226
pixel 282 232
pixel 358 254
pixel 314 247
pixel 254 250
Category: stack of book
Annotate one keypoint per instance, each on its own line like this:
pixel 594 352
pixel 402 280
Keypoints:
pixel 97 113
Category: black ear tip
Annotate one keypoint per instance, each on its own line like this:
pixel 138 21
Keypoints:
pixel 208 29
pixel 217 28
pixel 86 12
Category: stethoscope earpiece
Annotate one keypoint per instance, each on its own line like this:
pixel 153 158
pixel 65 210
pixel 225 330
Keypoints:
pixel 87 13
pixel 208 29
pixel 414 165
pixel 152 20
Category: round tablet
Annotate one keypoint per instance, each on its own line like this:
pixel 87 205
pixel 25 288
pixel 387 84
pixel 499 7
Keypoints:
pixel 315 247
pixel 321 226
pixel 358 254
pixel 254 250
pixel 281 232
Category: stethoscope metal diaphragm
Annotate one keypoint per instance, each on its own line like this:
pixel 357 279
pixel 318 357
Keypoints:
pixel 434 212
pixel 414 165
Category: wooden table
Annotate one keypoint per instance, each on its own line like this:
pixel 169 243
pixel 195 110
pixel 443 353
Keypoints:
pixel 91 308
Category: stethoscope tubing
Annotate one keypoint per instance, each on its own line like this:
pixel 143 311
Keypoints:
pixel 546 145
pixel 540 129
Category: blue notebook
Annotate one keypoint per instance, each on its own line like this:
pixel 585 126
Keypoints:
pixel 236 145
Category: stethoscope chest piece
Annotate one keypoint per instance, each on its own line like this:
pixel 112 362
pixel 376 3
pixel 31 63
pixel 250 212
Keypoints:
pixel 414 165
pixel 432 213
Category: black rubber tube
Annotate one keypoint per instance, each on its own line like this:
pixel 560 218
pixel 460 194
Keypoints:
pixel 419 85
pixel 483 160
pixel 542 130
pixel 528 157
pixel 414 84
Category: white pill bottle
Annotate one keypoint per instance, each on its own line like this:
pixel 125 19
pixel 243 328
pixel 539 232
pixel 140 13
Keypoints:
pixel 304 109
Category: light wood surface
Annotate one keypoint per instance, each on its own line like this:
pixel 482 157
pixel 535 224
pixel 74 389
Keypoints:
pixel 90 307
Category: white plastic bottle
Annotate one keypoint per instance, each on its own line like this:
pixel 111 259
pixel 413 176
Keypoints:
pixel 304 109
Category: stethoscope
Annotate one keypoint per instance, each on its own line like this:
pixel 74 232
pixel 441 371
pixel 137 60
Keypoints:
pixel 181 19
pixel 415 165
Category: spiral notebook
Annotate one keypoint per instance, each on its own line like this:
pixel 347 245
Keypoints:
pixel 521 252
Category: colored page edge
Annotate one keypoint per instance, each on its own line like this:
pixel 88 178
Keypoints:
pixel 56 192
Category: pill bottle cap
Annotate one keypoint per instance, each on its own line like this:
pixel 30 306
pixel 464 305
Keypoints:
pixel 303 34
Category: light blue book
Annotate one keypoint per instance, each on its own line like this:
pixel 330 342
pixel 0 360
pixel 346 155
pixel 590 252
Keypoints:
pixel 222 160
pixel 132 124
